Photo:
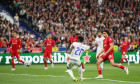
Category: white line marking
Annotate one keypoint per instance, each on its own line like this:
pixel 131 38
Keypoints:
pixel 30 75
pixel 65 76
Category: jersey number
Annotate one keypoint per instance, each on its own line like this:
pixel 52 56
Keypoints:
pixel 79 51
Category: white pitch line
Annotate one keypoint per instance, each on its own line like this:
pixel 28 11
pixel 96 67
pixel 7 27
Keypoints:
pixel 30 75
pixel 65 76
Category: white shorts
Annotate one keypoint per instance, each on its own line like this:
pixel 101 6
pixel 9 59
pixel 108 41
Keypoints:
pixel 98 51
pixel 73 62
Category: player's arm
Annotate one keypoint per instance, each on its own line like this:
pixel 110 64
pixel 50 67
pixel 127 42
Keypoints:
pixel 43 44
pixel 111 47
pixel 19 44
pixel 8 43
pixel 68 47
pixel 92 47
pixel 100 53
pixel 130 46
pixel 68 57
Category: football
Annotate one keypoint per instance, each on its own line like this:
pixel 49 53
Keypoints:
pixel 28 63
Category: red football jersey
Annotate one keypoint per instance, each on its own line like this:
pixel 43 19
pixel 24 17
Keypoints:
pixel 16 44
pixel 73 39
pixel 1 44
pixel 125 45
pixel 106 44
pixel 49 44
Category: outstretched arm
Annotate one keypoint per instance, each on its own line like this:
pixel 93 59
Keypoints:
pixel 68 58
pixel 68 47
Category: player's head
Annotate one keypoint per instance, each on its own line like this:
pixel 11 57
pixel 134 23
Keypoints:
pixel 126 38
pixel 15 35
pixel 80 39
pixel 99 33
pixel 105 33
pixel 73 33
pixel 49 36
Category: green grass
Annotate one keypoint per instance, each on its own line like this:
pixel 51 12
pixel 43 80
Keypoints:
pixel 37 75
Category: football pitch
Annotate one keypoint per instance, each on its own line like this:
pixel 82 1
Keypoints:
pixel 57 75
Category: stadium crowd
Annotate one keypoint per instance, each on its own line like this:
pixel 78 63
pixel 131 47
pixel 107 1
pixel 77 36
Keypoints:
pixel 61 17
pixel 7 29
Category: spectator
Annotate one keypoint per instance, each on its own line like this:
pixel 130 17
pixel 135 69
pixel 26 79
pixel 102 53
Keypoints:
pixel 16 19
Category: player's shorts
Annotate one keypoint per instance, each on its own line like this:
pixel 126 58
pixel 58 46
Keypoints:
pixel 73 62
pixel 98 51
pixel 108 57
pixel 15 53
pixel 124 52
pixel 47 54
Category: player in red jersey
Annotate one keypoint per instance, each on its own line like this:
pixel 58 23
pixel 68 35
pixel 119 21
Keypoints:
pixel 108 54
pixel 124 46
pixel 72 39
pixel 48 51
pixel 16 48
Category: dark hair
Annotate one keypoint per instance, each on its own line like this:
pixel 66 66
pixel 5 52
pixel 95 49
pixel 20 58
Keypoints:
pixel 99 31
pixel 106 31
pixel 80 38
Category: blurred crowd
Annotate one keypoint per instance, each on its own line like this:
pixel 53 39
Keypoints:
pixel 7 29
pixel 61 17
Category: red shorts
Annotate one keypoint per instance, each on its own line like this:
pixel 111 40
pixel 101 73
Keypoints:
pixel 108 57
pixel 47 54
pixel 15 53
pixel 124 52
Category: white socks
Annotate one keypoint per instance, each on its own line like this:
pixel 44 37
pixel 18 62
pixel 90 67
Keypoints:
pixel 70 73
pixel 81 72
pixel 102 65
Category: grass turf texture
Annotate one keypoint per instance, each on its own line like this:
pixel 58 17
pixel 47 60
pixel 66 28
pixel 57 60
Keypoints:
pixel 57 75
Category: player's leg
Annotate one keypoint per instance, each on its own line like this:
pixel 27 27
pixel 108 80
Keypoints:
pixel 18 58
pixel 45 62
pixel 98 51
pixel 102 65
pixel 69 66
pixel 83 66
pixel 50 59
pixel 123 57
pixel 119 66
pixel 80 70
pixel 99 67
pixel 13 64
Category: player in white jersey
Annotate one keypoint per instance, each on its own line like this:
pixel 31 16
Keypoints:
pixel 99 44
pixel 76 50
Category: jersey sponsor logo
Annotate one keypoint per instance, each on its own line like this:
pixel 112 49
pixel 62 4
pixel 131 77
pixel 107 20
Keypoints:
pixel 110 56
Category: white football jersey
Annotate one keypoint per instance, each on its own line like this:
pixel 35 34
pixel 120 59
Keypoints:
pixel 78 50
pixel 99 41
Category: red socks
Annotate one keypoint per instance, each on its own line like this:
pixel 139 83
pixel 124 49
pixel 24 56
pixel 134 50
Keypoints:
pixel 82 66
pixel 122 67
pixel 123 59
pixel 99 71
pixel 45 63
pixel 126 60
pixel 13 64
pixel 21 61
pixel 51 61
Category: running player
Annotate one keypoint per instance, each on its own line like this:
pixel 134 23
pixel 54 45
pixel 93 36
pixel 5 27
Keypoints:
pixel 124 46
pixel 48 51
pixel 108 54
pixel 76 50
pixel 99 44
pixel 72 39
pixel 15 50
